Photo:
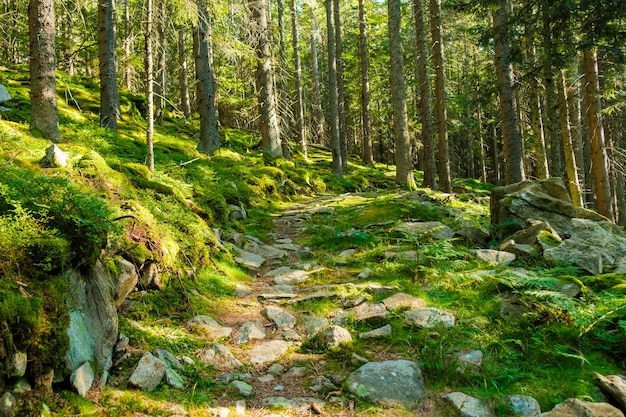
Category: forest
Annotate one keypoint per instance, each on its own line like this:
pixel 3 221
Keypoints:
pixel 267 208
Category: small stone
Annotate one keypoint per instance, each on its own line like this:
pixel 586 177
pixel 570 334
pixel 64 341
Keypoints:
pixel 574 407
pixel 166 356
pixel 243 388
pixel 290 335
pixel 469 360
pixel 55 158
pixel 4 94
pixel 240 408
pixel 281 318
pixel 126 281
pixel 148 373
pixel 22 386
pixel 208 326
pixel 228 378
pixel 173 379
pixel 429 317
pixel 364 274
pixel 266 378
pixel 332 336
pixel 219 356
pixel 279 388
pixel 313 325
pixel 523 406
pixel 322 383
pixel 376 333
pixel 296 372
pixel 187 360
pixel 249 260
pixel 401 300
pixel 7 404
pixel 467 406
pixel 251 330
pixel 346 253
pixel 354 302
pixel 82 379
pixel 19 363
pixel 269 352
pixel 370 313
pixel 495 257
pixel 357 359
pixel 276 369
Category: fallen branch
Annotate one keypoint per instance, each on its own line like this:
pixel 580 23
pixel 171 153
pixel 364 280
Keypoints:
pixel 599 319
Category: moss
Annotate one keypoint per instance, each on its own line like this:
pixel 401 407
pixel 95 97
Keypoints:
pixel 549 238
pixel 605 281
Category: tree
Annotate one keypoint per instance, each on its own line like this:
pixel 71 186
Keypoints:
pixel 149 66
pixel 297 69
pixel 43 91
pixel 368 158
pixel 109 98
pixel 270 132
pixel 318 114
pixel 443 167
pixel 210 140
pixel 185 102
pixel 402 142
pixel 571 168
pixel 282 84
pixel 511 135
pixel 335 142
pixel 341 99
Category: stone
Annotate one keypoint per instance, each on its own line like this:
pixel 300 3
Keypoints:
pixel 520 250
pixel 82 379
pixel 614 386
pixel 281 318
pixel 403 301
pixel 291 277
pixel 286 246
pixel 126 281
pixel 407 255
pixel 166 356
pixel 54 158
pixel 18 364
pixel 44 382
pixel 93 327
pixel 4 94
pixel 276 369
pixel 174 379
pixel 268 352
pixel 354 302
pixel 313 296
pixel 313 325
pixel 22 386
pixel 219 356
pixel 467 406
pixel 494 257
pixel 236 212
pixel 236 238
pixel 574 407
pixel 435 230
pixel 429 317
pixel 290 403
pixel 225 379
pixel 265 251
pixel 531 234
pixel 243 388
pixel 513 308
pixel 332 336
pixel 358 359
pixel 370 313
pixel 209 327
pixel 251 330
pixel 523 406
pixel 240 408
pixel 346 253
pixel 7 404
pixel 469 360
pixel 242 290
pixel 321 383
pixel 290 335
pixel 377 333
pixel 389 383
pixel 151 278
pixel 364 274
pixel 248 259
pixel 148 373
pixel 266 378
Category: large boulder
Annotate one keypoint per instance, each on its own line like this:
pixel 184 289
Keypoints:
pixel 4 94
pixel 578 408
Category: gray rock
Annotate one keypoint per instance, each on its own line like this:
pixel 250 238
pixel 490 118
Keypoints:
pixel 520 250
pixel 237 212
pixel 469 360
pixel 351 303
pixel 513 308
pixel 166 356
pixel 7 404
pixel 266 378
pixel 225 379
pixel 269 352
pixel 174 379
pixel 281 318
pixel 291 277
pixel 429 317
pixel 286 246
pixel 321 383
pixel 276 369
pixel 44 381
pixel 435 230
pixel 248 259
pixel 313 296
pixel 574 407
pixel 364 274
pixel 407 255
pixel 243 388
pixel 290 335
pixel 377 333
pixel 151 277
pixel 389 383
pixel 219 356
pixel 296 372
pixel 209 327
pixel 148 373
pixel 4 94
pixel 614 386
pixel 18 363
pixel 265 251
pixel 494 257
pixel 401 300
pixel 251 330
pixel 82 379
pixel 126 281
pixel 357 359
pixel 332 336
pixel 346 253
pixel 93 328
pixel 54 158
pixel 22 386
pixel 313 325
pixel 370 313
pixel 523 406
pixel 289 403
pixel 467 406
pixel 240 408
pixel 236 238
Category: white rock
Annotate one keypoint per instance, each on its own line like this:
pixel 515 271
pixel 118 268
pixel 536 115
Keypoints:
pixel 467 406
pixel 82 379
pixel 148 373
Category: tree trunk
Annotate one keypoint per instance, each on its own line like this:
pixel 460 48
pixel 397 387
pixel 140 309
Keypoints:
pixel 318 114
pixel 210 140
pixel 285 103
pixel 149 88
pixel 511 135
pixel 299 110
pixel 427 120
pixel 402 141
pixel 108 72
pixel 185 102
pixel 440 94
pixel 341 99
pixel 43 91
pixel 368 158
pixel 571 168
pixel 551 121
pixel 596 132
pixel 162 73
pixel 128 43
pixel 335 142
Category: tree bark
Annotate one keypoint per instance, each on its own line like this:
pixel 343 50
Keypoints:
pixel 149 88
pixel 335 141
pixel 426 109
pixel 571 169
pixel 109 98
pixel 185 102
pixel 210 140
pixel 440 94
pixel 43 92
pixel 368 157
pixel 318 114
pixel 341 99
pixel 162 72
pixel 282 84
pixel 402 141
pixel 297 66
pixel 551 121
pixel 596 131
pixel 128 44
pixel 511 135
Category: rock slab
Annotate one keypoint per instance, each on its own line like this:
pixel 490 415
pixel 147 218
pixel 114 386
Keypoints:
pixel 467 406
pixel 148 373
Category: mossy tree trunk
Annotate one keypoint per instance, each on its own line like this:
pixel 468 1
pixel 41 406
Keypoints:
pixel 109 98
pixel 366 136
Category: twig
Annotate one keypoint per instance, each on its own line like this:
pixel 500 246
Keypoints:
pixel 599 319
pixel 180 281
pixel 182 164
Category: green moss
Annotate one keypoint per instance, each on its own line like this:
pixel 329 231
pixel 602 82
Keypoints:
pixel 548 238
pixel 604 281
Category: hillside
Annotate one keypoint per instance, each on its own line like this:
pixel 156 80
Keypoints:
pixel 327 251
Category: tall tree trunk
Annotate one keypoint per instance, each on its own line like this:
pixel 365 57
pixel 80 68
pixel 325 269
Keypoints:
pixel 162 72
pixel 149 88
pixel 128 44
pixel 577 130
pixel 185 102
pixel 335 142
pixel 282 83
pixel 511 134
pixel 596 132
pixel 368 157
pixel 108 72
pixel 440 94
pixel 571 169
pixel 205 80
pixel 297 66
pixel 402 141
pixel 270 131
pixel 69 42
pixel 341 99
pixel 424 79
pixel 318 114
pixel 43 91
pixel 550 121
